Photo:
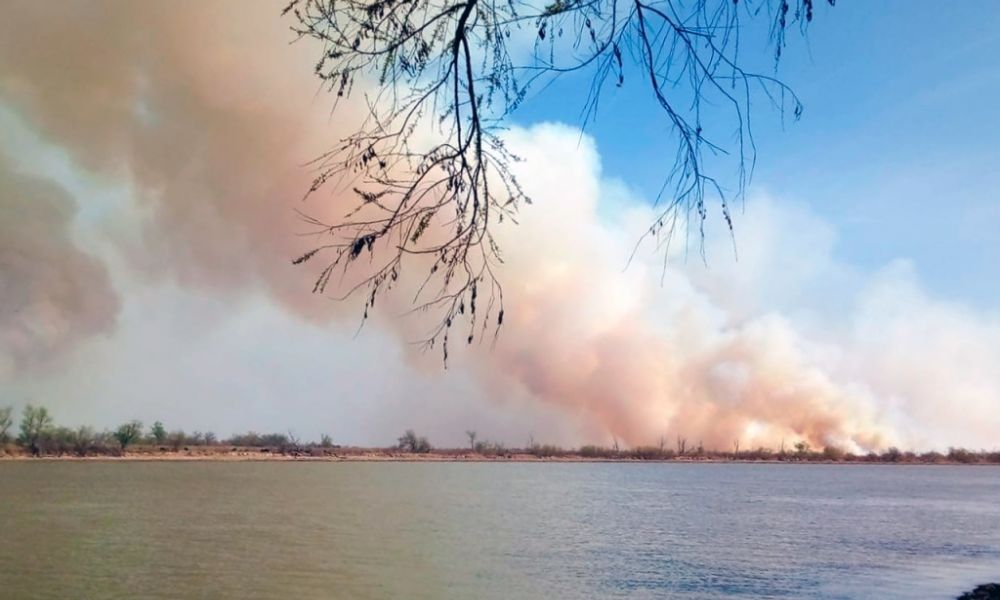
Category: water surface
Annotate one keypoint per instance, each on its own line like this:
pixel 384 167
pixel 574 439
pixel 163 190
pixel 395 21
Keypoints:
pixel 474 530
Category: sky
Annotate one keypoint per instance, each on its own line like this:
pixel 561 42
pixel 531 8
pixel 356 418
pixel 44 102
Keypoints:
pixel 151 156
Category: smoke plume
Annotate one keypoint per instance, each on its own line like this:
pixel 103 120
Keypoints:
pixel 52 293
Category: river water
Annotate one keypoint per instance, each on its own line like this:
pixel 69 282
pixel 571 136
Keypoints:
pixel 488 530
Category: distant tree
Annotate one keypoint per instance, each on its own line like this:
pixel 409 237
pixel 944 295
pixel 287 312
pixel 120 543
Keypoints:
pixel 681 445
pixel 893 454
pixel 961 455
pixel 441 78
pixel 472 439
pixel 35 424
pixel 833 453
pixel 6 422
pixel 291 444
pixel 325 441
pixel 58 441
pixel 250 438
pixel 158 432
pixel 83 441
pixel 546 450
pixel 210 438
pixel 128 433
pixel 275 440
pixel 411 443
pixel 176 439
pixel 802 447
pixel 487 448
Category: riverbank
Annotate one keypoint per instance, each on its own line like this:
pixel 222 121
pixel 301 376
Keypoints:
pixel 316 454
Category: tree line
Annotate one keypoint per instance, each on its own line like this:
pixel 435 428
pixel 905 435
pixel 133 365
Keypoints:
pixel 38 435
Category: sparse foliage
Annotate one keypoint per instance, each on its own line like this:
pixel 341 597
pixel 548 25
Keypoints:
pixel 35 424
pixel 429 168
pixel 472 439
pixel 833 453
pixel 6 422
pixel 158 432
pixel 254 439
pixel 488 448
pixel 410 442
pixel 176 439
pixel 84 441
pixel 39 436
pixel 128 433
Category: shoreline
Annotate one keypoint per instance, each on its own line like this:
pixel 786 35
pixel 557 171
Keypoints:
pixel 432 457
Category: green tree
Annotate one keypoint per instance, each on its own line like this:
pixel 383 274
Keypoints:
pixel 35 424
pixel 6 421
pixel 128 433
pixel 158 432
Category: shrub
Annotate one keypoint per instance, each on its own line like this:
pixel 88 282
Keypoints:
pixel 84 441
pixel 176 439
pixel 761 453
pixel 545 450
pixel 651 453
pixel 961 455
pixel 893 454
pixel 6 421
pixel 833 453
pixel 487 448
pixel 411 443
pixel 591 451
pixel 256 440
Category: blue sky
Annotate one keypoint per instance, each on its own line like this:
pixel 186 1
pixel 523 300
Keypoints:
pixel 897 148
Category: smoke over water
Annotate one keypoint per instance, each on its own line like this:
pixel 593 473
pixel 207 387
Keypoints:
pixel 207 119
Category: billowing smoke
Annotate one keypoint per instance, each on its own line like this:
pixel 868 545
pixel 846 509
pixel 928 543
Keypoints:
pixel 645 360
pixel 207 114
pixel 51 292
